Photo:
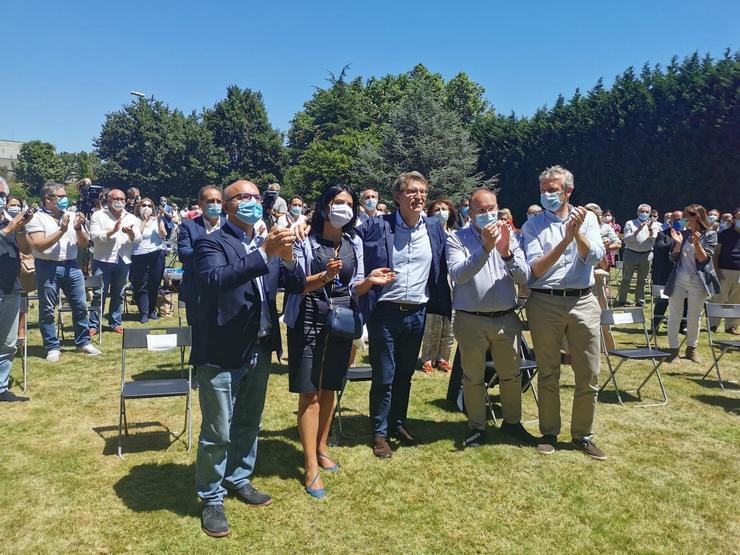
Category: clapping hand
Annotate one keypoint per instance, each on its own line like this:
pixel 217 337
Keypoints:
pixel 695 238
pixel 279 242
pixel 301 231
pixel 332 269
pixel 79 221
pixel 64 222
pixel 128 230
pixel 489 235
pixel 504 238
pixel 381 276
pixel 676 236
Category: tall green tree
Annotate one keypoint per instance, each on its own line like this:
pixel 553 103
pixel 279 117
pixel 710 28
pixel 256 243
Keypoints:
pixel 37 163
pixel 423 135
pixel 245 144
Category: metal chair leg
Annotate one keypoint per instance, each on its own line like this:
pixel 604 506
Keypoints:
pixel 612 378
pixel 121 418
pixel 656 371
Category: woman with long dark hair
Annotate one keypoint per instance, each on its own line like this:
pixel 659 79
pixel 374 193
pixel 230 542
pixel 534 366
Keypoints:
pixel 331 257
pixel 693 278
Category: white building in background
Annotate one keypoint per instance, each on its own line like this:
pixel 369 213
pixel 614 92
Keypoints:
pixel 9 151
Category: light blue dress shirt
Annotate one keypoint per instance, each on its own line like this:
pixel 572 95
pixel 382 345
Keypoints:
pixel 543 232
pixel 412 261
pixel 484 282
pixel 252 244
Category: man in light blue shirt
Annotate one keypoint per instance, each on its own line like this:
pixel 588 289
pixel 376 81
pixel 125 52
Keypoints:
pixel 563 244
pixel 485 263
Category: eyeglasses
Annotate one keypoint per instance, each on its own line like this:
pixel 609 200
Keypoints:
pixel 415 192
pixel 59 196
pixel 245 196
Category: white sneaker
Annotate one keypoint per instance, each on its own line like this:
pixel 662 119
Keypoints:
pixel 90 349
pixel 53 355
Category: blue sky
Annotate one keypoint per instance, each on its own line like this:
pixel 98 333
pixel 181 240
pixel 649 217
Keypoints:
pixel 66 64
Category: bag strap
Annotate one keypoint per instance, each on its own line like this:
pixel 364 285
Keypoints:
pixel 328 297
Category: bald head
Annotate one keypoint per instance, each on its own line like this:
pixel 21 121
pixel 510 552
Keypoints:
pixel 482 197
pixel 241 186
pixel 677 215
pixel 116 201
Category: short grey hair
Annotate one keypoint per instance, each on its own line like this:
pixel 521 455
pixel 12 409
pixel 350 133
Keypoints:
pixel 273 187
pixel 558 172
pixel 49 188
pixel 534 208
pixel 595 208
pixel 639 208
pixel 402 181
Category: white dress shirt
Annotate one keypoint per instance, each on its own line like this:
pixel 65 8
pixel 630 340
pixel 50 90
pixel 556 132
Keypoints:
pixel 109 249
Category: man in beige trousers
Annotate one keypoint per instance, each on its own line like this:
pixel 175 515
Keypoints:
pixel 563 244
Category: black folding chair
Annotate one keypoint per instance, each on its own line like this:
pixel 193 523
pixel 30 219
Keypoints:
pixel 729 311
pixel 528 367
pixel 91 283
pixel 628 316
pixel 137 338
pixel 354 374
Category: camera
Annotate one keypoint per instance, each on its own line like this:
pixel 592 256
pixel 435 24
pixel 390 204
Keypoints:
pixel 89 198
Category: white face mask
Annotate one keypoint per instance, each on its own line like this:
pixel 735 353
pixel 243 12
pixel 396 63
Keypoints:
pixel 117 205
pixel 146 212
pixel 340 215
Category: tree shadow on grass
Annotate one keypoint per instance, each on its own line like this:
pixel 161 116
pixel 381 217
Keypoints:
pixel 159 487
pixel 729 404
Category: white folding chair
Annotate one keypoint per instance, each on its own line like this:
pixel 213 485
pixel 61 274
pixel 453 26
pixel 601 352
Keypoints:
pixel 630 316
pixel 714 310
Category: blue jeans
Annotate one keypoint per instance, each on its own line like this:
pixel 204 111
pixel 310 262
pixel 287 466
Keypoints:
pixel 10 304
pixel 50 277
pixel 231 403
pixel 395 338
pixel 115 275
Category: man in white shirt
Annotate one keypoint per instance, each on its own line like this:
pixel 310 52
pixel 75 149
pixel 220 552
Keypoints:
pixel 639 240
pixel 113 232
pixel 54 235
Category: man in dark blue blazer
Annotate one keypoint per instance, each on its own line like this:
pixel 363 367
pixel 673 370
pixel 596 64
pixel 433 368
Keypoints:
pixel 235 330
pixel 414 249
pixel 209 200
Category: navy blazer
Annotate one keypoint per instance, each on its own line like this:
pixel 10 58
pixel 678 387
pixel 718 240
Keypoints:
pixel 187 234
pixel 227 313
pixel 378 235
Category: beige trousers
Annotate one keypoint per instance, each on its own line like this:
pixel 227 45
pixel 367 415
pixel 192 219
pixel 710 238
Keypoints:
pixel 476 335
pixel 729 293
pixel 577 318
pixel 437 342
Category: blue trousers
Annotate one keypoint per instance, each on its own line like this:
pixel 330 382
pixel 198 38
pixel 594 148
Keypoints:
pixel 115 275
pixel 231 403
pixel 10 304
pixel 395 338
pixel 67 276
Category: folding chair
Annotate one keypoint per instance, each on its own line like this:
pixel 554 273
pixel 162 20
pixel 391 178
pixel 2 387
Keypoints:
pixel 91 282
pixel 22 344
pixel 713 310
pixel 658 291
pixel 528 367
pixel 142 338
pixel 180 308
pixel 354 374
pixel 618 316
pixel 128 297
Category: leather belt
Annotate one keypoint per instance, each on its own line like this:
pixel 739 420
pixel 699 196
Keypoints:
pixel 565 292
pixel 638 252
pixel 490 314
pixel 403 307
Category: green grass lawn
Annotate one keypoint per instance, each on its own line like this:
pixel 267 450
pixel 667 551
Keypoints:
pixel 670 484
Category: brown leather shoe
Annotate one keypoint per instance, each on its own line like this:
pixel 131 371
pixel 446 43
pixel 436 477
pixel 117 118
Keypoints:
pixel 692 355
pixel 381 449
pixel 405 438
pixel 674 355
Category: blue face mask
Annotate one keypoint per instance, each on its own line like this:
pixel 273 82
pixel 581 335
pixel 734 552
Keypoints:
pixel 684 222
pixel 2 203
pixel 13 211
pixel 482 220
pixel 63 203
pixel 643 216
pixel 371 203
pixel 712 218
pixel 296 211
pixel 213 210
pixel 464 211
pixel 550 201
pixel 249 211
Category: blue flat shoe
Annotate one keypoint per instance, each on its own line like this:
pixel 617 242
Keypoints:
pixel 317 493
pixel 330 469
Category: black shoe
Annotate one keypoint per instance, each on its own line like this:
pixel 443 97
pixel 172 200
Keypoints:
pixel 213 521
pixel 518 433
pixel 143 319
pixel 589 447
pixel 10 397
pixel 153 316
pixel 546 444
pixel 404 437
pixel 477 438
pixel 251 496
pixel 640 303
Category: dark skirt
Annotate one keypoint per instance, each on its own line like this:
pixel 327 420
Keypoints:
pixel 314 357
